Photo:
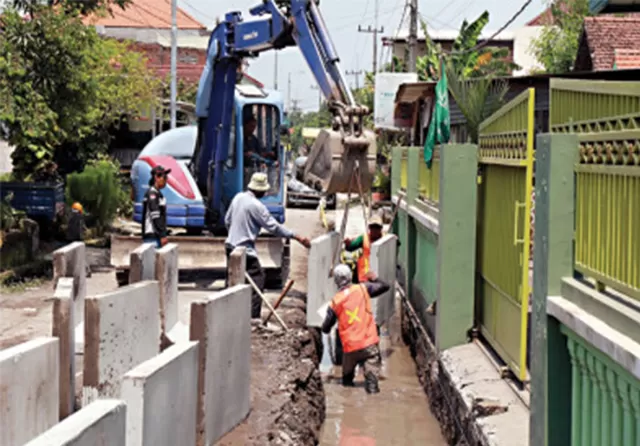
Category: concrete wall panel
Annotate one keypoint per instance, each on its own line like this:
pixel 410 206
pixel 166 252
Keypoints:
pixel 63 328
pixel 320 288
pixel 222 325
pixel 122 330
pixel 142 263
pixel 100 423
pixel 161 396
pixel 29 392
pixel 383 263
pixel 166 273
pixel 70 261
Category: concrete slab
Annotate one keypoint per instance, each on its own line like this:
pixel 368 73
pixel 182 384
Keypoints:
pixel 475 378
pixel 161 389
pixel 29 392
pixel 222 325
pixel 143 263
pixel 166 273
pixel 383 263
pixel 70 261
pixel 63 328
pixel 100 423
pixel 320 288
pixel 122 331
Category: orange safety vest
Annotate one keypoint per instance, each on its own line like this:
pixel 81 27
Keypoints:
pixel 363 260
pixel 356 325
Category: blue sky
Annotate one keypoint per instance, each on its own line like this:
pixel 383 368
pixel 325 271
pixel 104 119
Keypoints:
pixel 354 48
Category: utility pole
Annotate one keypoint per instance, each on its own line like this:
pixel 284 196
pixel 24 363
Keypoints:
pixel 375 31
pixel 413 34
pixel 315 87
pixel 357 74
pixel 275 72
pixel 289 100
pixel 174 62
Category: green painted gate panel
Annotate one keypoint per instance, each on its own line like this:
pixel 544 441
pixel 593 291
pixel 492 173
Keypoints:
pixel 426 274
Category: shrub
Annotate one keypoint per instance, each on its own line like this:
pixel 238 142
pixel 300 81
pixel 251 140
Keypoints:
pixel 99 191
pixel 10 218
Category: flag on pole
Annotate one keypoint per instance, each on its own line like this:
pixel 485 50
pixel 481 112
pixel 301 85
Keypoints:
pixel 439 127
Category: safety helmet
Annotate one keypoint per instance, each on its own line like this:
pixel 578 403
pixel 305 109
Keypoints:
pixel 77 207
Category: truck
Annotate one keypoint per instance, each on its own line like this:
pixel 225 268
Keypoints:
pixel 201 187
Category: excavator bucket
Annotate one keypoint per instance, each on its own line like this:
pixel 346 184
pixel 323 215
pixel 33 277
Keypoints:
pixel 333 158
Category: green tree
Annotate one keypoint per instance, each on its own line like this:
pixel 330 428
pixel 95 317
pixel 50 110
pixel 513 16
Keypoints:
pixel 557 46
pixel 63 87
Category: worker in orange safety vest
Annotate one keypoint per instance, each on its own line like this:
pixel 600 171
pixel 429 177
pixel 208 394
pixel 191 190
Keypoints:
pixel 364 242
pixel 351 309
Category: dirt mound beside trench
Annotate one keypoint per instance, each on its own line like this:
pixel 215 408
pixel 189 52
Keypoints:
pixel 287 395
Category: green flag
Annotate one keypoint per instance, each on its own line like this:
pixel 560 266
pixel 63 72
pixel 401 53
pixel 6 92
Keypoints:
pixel 439 131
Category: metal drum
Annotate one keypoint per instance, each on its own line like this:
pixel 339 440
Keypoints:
pixel 332 160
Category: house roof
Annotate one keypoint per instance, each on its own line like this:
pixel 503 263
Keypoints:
pixel 446 34
pixel 610 39
pixel 145 14
pixel 545 18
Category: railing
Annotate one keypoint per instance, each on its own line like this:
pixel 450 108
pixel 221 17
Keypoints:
pixel 606 117
pixel 505 201
pixel 605 398
pixel 429 179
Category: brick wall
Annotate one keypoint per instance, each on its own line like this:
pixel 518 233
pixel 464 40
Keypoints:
pixel 190 60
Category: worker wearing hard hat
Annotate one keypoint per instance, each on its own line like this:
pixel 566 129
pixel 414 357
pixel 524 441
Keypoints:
pixel 351 309
pixel 244 219
pixel 363 243
pixel 75 228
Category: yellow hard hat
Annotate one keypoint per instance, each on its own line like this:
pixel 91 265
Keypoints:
pixel 77 207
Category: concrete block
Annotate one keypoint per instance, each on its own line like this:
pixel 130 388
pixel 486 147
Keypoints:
pixel 122 330
pixel 383 263
pixel 222 326
pixel 237 266
pixel 70 261
pixel 29 393
pixel 142 263
pixel 161 389
pixel 100 423
pixel 63 328
pixel 166 273
pixel 320 288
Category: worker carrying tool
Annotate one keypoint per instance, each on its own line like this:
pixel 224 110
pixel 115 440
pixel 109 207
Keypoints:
pixel 351 308
pixel 154 209
pixel 244 219
pixel 362 244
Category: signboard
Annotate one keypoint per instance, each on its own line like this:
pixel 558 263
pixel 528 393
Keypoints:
pixel 385 93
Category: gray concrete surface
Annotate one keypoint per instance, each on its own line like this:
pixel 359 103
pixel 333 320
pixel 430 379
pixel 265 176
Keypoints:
pixel 29 394
pixel 321 287
pixel 222 326
pixel 383 263
pixel 63 328
pixel 161 396
pixel 100 423
pixel 477 380
pixel 166 273
pixel 122 331
pixel 142 263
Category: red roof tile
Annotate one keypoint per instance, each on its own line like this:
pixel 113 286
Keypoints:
pixel 545 18
pixel 145 14
pixel 626 59
pixel 606 34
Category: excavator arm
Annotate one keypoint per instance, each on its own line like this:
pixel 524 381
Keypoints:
pixel 277 24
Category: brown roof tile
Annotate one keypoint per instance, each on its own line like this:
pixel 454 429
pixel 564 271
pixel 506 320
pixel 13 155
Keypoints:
pixel 606 34
pixel 145 14
pixel 627 59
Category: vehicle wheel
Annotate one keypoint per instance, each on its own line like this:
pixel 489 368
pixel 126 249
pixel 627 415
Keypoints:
pixel 122 277
pixel 276 278
pixel 332 202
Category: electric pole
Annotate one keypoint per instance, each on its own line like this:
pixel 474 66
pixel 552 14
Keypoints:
pixel 357 74
pixel 315 87
pixel 375 31
pixel 174 62
pixel 413 34
pixel 289 91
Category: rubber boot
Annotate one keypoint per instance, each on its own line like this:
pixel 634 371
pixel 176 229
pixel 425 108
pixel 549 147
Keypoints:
pixel 347 380
pixel 371 384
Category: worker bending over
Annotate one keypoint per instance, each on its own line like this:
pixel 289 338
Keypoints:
pixel 154 209
pixel 244 219
pixel 351 308
pixel 363 243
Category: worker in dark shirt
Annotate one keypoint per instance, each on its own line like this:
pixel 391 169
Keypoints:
pixel 351 309
pixel 254 152
pixel 154 209
pixel 75 228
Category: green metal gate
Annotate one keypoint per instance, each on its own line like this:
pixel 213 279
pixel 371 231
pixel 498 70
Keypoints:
pixel 506 155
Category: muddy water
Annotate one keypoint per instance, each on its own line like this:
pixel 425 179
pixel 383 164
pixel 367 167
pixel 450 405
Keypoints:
pixel 398 415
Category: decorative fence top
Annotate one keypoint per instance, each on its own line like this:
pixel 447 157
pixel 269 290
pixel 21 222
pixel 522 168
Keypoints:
pixel 508 133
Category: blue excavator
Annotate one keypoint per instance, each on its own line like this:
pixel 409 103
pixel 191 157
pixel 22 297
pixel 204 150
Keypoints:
pixel 342 158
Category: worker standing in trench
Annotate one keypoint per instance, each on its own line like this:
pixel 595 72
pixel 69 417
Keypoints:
pixel 244 219
pixel 351 308
pixel 363 242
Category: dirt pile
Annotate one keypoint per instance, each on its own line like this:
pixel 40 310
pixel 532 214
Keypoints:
pixel 287 396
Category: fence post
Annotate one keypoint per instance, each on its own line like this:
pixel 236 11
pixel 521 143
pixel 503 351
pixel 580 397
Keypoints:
pixel 456 244
pixel 553 259
pixel 413 174
pixel 396 168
